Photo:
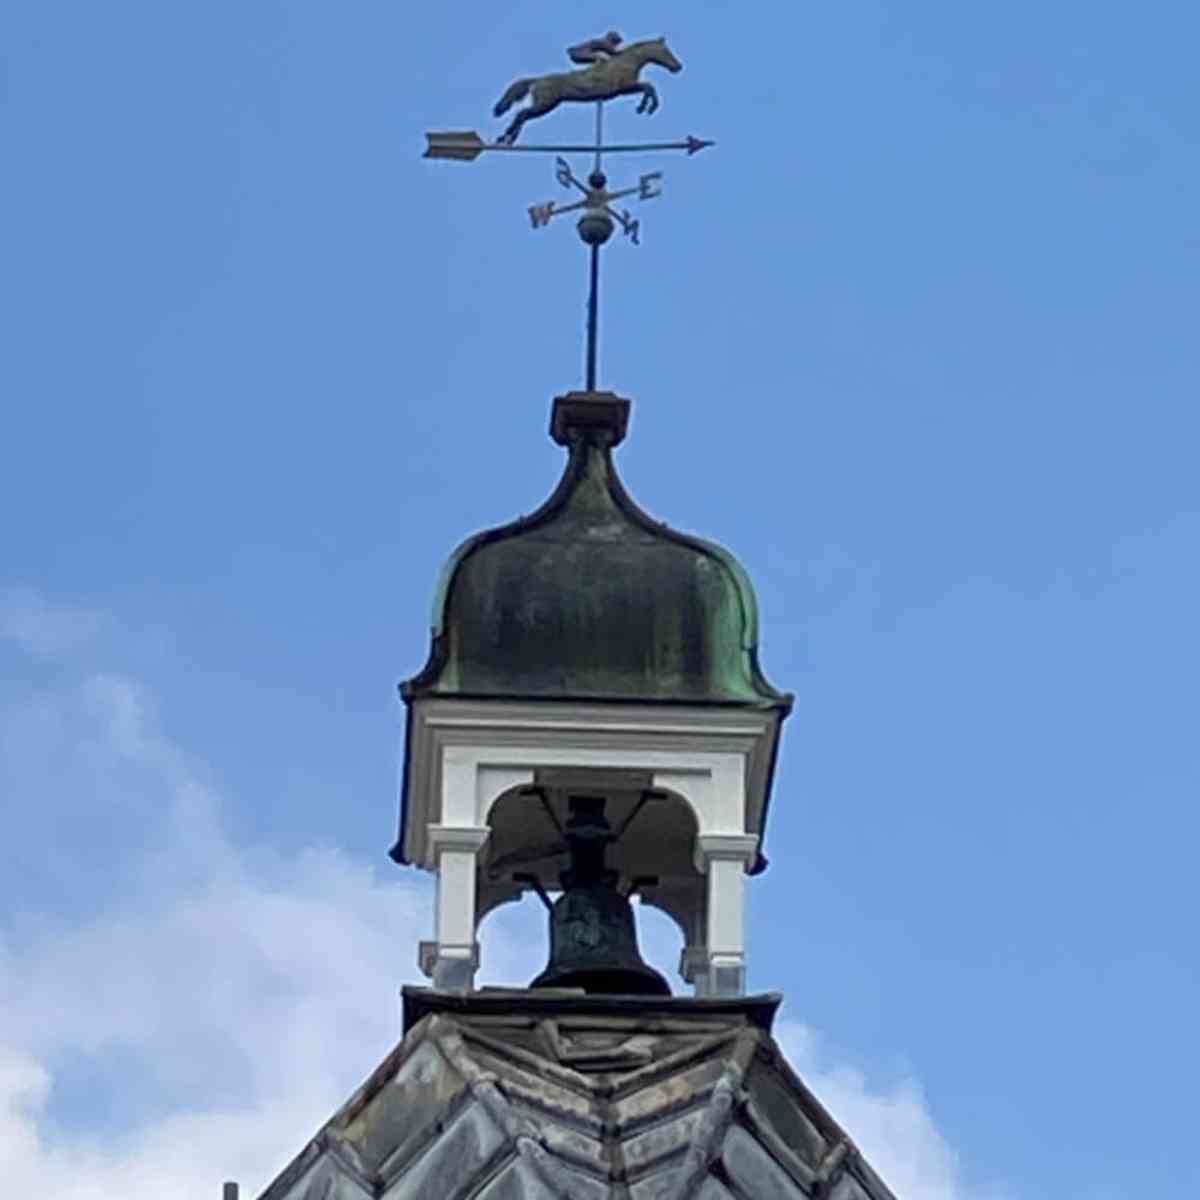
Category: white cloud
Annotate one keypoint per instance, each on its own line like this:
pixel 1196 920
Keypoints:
pixel 41 628
pixel 242 995
pixel 891 1124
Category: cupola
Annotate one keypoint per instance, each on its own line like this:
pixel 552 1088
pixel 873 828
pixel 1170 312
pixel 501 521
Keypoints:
pixel 588 652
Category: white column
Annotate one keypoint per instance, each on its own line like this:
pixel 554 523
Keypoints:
pixel 454 957
pixel 723 858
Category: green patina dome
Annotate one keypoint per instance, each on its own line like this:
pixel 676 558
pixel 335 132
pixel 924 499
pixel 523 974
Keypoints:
pixel 589 598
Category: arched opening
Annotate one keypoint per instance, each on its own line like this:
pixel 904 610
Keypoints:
pixel 661 942
pixel 514 943
pixel 653 835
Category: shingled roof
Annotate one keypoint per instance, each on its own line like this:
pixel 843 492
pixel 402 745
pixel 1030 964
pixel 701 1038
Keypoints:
pixel 502 1095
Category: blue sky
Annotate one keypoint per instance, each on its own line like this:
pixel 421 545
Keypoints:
pixel 916 340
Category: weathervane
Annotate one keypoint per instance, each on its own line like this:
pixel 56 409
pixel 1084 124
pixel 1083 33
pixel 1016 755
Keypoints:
pixel 610 71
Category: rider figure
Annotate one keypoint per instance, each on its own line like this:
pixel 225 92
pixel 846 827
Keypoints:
pixel 595 50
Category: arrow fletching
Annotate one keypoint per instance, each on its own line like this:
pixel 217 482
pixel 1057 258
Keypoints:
pixel 465 147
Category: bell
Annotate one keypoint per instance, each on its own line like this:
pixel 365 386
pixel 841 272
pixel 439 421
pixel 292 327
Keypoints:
pixel 593 942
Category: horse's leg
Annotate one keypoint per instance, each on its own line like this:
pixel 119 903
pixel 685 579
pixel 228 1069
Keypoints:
pixel 649 100
pixel 514 127
pixel 510 134
pixel 539 108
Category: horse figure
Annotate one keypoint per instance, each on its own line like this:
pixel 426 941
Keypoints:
pixel 612 72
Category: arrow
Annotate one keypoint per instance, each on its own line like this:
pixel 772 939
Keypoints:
pixel 468 146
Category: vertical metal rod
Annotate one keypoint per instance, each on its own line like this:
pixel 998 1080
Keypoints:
pixel 229 1191
pixel 592 306
pixel 594 288
pixel 599 132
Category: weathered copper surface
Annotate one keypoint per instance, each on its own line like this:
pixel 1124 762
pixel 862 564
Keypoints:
pixel 593 938
pixel 613 71
pixel 508 1095
pixel 590 598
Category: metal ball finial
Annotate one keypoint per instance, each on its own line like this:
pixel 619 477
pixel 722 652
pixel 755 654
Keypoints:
pixel 595 226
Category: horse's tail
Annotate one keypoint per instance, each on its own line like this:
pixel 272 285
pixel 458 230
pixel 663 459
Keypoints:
pixel 515 92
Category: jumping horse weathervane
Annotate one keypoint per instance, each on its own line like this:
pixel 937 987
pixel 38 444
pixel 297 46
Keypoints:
pixel 612 72
pixel 608 70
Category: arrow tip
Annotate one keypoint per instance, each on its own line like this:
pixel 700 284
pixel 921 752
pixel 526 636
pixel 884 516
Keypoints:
pixel 695 143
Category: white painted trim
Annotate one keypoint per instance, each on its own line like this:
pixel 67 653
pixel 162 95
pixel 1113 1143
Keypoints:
pixel 456 837
pixel 638 727
pixel 492 780
pixel 466 755
pixel 739 847
pixel 474 777
pixel 633 733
